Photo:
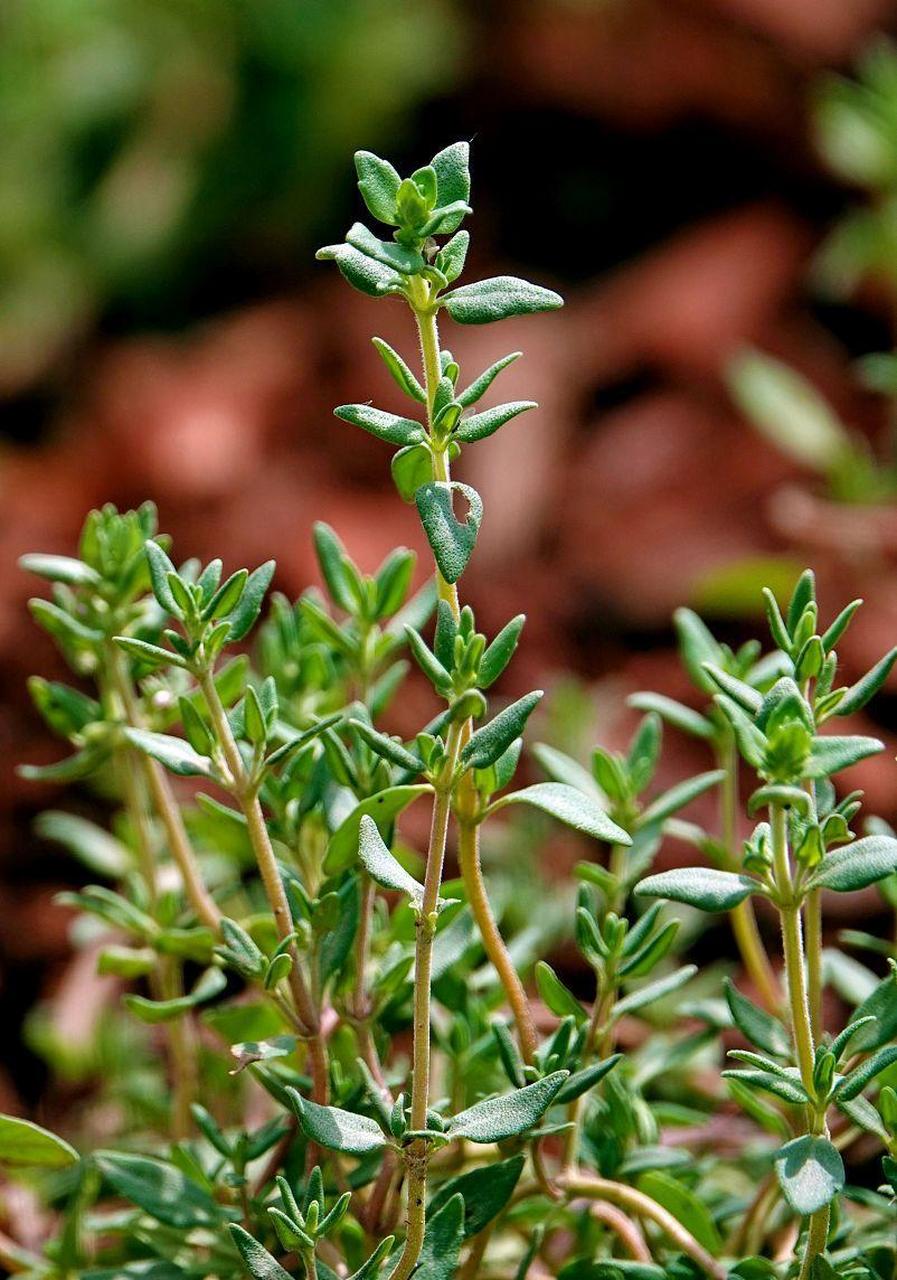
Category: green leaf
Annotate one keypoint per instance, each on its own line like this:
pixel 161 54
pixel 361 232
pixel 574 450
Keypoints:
pixel 401 374
pixel 495 1119
pixel 159 568
pixel 176 754
pixel 60 569
pixel 80 765
pixel 481 385
pixel 159 1189
pixel 480 425
pixel 452 541
pixel 810 1172
pixel 498 298
pixel 333 560
pixel 152 654
pixel 412 468
pixel 563 768
pixel 379 184
pixel 860 693
pixel 788 410
pixel 556 996
pixel 360 271
pixel 387 748
pixel 675 713
pixel 582 1081
pixel 831 754
pixel 854 866
pixel 485 1192
pixel 500 652
pixel 26 1145
pixel 338 1130
pixel 382 867
pixel 243 617
pixel 881 1004
pixel 785 1086
pixel 744 695
pixel 443 1238
pixel 451 257
pixel 92 844
pixel 259 1262
pixel 370 1268
pixel 452 167
pixel 570 806
pixel 385 426
pixel 210 984
pixel 701 887
pixel 396 256
pixel 664 806
pixel 653 991
pixel 756 1025
pixel 384 807
pixel 685 1206
pixel 489 743
pixel 697 647
pixel 854 1083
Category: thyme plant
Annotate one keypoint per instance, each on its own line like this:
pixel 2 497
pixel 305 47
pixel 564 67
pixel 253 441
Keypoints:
pixel 351 1066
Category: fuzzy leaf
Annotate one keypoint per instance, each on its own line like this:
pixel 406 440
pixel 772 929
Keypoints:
pixel 831 754
pixel 489 743
pixel 481 385
pixel 443 1238
pixel 860 693
pixel 452 167
pixel 569 805
pixel 159 1189
pixel 664 806
pixel 452 541
pixel 359 270
pixel 176 754
pixel 654 991
pixel 485 1192
pixel 701 887
pixel 379 184
pixel 854 1084
pixel 401 374
pixel 582 1081
pixel 382 867
pixel 384 807
pixel 495 1119
pixel 480 425
pixel 498 298
pixel 881 1004
pixel 675 713
pixel 336 1129
pixel 856 865
pixel 385 426
pixel 259 1262
pixel 555 995
pixel 244 615
pixel 756 1025
pixel 60 569
pixel 810 1172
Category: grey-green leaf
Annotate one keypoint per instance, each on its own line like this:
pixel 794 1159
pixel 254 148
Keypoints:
pixel 571 806
pixel 160 1189
pixel 385 426
pixel 381 866
pixel 487 744
pixel 176 754
pixel 701 887
pixel 259 1262
pixel 451 540
pixel 379 184
pixel 498 298
pixel 336 1129
pixel 810 1172
pixel 495 1119
pixel 856 865
pixel 480 425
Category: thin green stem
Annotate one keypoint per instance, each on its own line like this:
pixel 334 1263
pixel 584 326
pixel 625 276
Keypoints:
pixel 743 917
pixel 813 929
pixel 165 804
pixel 417 1152
pixel 636 1202
pixel 799 1002
pixel 260 840
pixel 499 957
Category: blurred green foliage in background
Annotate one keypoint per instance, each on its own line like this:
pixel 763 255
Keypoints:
pixel 148 144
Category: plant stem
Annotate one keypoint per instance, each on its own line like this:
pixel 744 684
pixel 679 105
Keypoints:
pixel 813 928
pixel 743 917
pixel 165 804
pixel 276 894
pixel 417 1152
pixel 618 1193
pixel 801 1024
pixel 472 874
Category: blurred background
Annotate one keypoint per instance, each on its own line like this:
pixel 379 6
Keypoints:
pixel 698 177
